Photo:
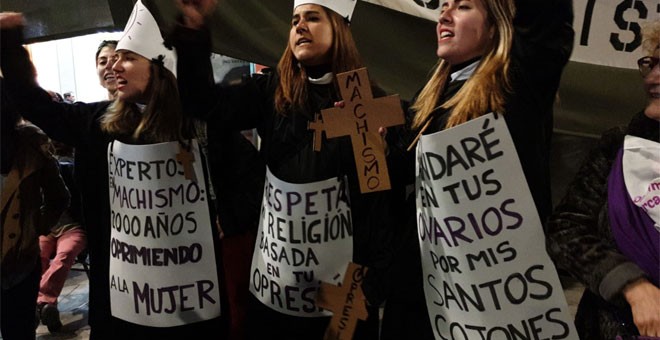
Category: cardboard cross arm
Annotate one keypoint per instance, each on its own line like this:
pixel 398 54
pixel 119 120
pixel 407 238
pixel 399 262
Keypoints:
pixel 360 119
pixel 346 302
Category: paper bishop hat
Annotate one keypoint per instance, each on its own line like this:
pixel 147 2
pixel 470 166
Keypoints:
pixel 142 36
pixel 343 7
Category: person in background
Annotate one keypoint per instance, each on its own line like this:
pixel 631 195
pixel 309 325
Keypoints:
pixel 605 232
pixel 496 56
pixel 33 198
pixel 281 104
pixel 69 97
pixel 55 96
pixel 146 111
pixel 61 247
pixel 105 58
pixel 68 239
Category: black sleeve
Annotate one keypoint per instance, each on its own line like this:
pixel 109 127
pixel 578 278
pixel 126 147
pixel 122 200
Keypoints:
pixel 194 70
pixel 238 107
pixel 237 169
pixel 63 122
pixel 542 45
pixel 545 29
pixel 238 174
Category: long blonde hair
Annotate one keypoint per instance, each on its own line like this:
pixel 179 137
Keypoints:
pixel 291 92
pixel 162 119
pixel 486 89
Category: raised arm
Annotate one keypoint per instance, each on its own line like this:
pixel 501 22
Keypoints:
pixel 545 29
pixel 237 107
pixel 63 122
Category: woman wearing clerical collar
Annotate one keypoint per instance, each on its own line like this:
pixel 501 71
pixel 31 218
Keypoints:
pixel 281 104
pixel 493 56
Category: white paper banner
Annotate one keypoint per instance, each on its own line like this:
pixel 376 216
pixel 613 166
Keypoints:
pixel 306 236
pixel 607 33
pixel 486 272
pixel 641 173
pixel 424 9
pixel 162 260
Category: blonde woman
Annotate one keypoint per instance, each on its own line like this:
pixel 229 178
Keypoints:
pixel 500 56
pixel 280 105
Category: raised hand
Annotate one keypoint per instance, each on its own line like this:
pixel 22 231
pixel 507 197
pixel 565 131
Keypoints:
pixel 644 300
pixel 195 12
pixel 9 20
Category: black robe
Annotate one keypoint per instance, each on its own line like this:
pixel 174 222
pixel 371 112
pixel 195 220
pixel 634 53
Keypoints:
pixel 287 149
pixel 543 41
pixel 78 125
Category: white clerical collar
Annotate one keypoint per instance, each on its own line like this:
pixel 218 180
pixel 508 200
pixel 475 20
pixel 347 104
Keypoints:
pixel 325 79
pixel 465 72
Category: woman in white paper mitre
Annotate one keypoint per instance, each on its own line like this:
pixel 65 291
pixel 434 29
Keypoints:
pixel 145 112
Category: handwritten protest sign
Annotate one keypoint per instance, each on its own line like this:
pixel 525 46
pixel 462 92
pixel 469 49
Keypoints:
pixel 360 119
pixel 162 262
pixel 306 236
pixel 346 302
pixel 486 272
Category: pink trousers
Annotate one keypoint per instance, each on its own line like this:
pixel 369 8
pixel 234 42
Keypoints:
pixel 56 270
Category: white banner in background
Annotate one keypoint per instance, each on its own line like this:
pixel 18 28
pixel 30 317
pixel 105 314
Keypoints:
pixel 162 264
pixel 424 9
pixel 486 272
pixel 607 32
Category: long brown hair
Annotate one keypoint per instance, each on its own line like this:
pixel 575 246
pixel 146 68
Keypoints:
pixel 486 89
pixel 291 92
pixel 162 119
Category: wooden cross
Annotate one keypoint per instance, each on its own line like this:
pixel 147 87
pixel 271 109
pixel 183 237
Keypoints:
pixel 360 119
pixel 317 126
pixel 186 158
pixel 346 302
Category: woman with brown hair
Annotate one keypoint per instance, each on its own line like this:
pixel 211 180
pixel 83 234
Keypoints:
pixel 105 59
pixel 145 116
pixel 281 104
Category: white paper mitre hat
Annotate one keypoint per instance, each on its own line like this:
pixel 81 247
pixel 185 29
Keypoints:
pixel 343 7
pixel 142 36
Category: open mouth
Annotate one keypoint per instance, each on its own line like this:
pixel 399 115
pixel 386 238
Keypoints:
pixel 446 34
pixel 121 82
pixel 303 41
